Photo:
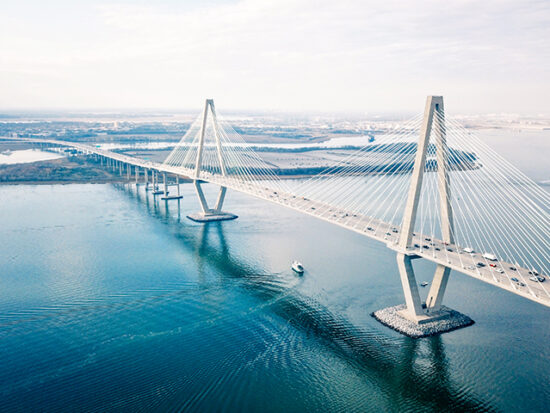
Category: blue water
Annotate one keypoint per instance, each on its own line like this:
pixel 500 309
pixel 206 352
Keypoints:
pixel 110 301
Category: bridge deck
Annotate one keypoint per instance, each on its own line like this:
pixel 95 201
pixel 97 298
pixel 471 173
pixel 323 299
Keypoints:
pixel 435 250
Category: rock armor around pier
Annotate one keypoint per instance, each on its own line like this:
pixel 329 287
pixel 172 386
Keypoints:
pixel 448 320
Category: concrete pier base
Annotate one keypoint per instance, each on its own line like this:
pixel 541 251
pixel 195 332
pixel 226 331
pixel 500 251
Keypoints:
pixel 441 322
pixel 210 217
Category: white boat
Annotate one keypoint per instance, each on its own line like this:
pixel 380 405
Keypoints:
pixel 298 267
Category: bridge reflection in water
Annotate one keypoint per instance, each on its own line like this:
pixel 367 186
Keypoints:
pixel 409 373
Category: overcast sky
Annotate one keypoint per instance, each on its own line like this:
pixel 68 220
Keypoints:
pixel 300 55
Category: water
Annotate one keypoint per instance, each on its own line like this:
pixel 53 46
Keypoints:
pixel 27 156
pixel 111 301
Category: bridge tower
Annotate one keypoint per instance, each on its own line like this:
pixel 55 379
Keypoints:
pixel 416 313
pixel 208 214
pixel 433 125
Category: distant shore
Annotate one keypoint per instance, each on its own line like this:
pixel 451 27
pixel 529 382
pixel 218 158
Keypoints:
pixel 69 170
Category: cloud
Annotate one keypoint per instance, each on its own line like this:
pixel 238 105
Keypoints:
pixel 280 54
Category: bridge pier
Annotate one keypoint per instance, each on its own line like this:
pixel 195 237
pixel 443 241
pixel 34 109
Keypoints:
pixel 437 290
pixel 156 190
pixel 415 318
pixel 146 180
pixel 167 197
pixel 208 214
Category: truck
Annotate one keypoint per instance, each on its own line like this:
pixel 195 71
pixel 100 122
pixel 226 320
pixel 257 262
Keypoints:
pixel 490 257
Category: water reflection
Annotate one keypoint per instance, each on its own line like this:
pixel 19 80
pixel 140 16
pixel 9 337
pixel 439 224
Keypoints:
pixel 411 374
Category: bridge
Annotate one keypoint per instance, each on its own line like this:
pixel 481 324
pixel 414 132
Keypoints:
pixel 429 190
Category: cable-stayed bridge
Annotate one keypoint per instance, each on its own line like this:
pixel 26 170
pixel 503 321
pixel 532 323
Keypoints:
pixel 430 189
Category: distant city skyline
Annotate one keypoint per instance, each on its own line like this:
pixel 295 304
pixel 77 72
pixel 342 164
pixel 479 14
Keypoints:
pixel 302 56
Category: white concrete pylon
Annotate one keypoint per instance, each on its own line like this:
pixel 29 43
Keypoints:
pixel 433 125
pixel 210 214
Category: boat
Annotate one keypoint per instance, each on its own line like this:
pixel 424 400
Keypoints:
pixel 297 267
pixel 424 283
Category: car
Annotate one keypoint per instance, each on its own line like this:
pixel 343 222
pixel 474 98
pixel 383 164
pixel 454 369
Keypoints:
pixel 388 233
pixel 480 264
pixel 500 270
pixel 492 265
pixel 469 250
pixel 533 272
pixel 427 239
pixel 521 284
pixel 450 249
pixel 471 267
pixel 426 247
pixel 370 228
pixel 437 249
pixel 514 279
pixel 394 230
pixel 416 246
pixel 537 278
pixel 513 268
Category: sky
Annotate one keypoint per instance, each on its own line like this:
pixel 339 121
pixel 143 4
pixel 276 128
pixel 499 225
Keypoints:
pixel 300 55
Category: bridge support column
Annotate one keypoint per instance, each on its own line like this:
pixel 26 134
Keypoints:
pixel 208 214
pixel 410 288
pixel 437 290
pixel 167 197
pixel 415 318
